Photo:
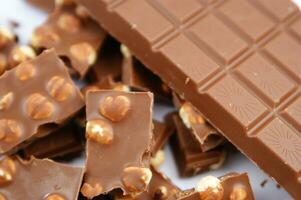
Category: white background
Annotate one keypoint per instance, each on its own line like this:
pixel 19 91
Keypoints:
pixel 29 17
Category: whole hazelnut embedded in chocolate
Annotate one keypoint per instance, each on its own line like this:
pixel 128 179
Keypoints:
pixel 68 23
pixel 99 131
pixel 5 37
pixel 136 179
pixel 158 159
pixel 60 88
pixel 44 34
pixel 115 108
pixel 189 116
pixel 91 191
pixel 238 193
pixel 25 71
pixel 210 188
pixel 10 130
pixel 84 52
pixel 54 196
pixel 39 107
pixel 6 100
pixel 7 171
pixel 20 54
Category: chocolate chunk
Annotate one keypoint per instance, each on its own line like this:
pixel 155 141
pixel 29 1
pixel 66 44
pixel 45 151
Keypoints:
pixel 71 35
pixel 66 140
pixel 162 131
pixel 188 153
pixel 119 141
pixel 45 5
pixel 238 64
pixel 208 137
pixel 38 179
pixel 39 92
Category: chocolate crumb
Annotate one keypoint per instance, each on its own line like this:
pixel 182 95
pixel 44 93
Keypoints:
pixel 263 183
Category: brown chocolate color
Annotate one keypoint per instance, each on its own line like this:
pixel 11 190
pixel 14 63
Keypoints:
pixel 208 137
pixel 237 63
pixel 189 156
pixel 66 140
pixel 131 142
pixel 37 179
pixel 162 131
pixel 64 30
pixel 45 5
pixel 33 99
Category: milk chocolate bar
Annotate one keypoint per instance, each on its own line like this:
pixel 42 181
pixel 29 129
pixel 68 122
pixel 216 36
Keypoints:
pixel 119 141
pixel 66 140
pixel 189 156
pixel 72 34
pixel 35 93
pixel 237 63
pixel 38 179
pixel 208 137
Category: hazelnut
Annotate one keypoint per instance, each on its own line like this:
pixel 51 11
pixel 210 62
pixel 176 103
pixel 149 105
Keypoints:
pixel 38 107
pixel 3 63
pixel 25 71
pixel 2 197
pixel 136 179
pixel 114 108
pixel 5 37
pixel 84 52
pixel 20 54
pixel 238 193
pixel 81 11
pixel 42 35
pixel 7 171
pixel 121 87
pixel 91 191
pixel 68 22
pixel 210 188
pixel 54 196
pixel 99 131
pixel 125 51
pixel 6 101
pixel 59 88
pixel 10 130
pixel 158 159
pixel 189 116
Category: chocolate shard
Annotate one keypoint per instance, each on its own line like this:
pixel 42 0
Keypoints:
pixel 119 139
pixel 40 92
pixel 162 131
pixel 38 179
pixel 208 137
pixel 238 64
pixel 189 156
pixel 71 34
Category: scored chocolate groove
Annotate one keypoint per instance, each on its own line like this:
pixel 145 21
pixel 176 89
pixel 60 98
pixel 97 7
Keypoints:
pixel 238 63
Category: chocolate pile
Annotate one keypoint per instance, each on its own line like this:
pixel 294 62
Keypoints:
pixel 87 82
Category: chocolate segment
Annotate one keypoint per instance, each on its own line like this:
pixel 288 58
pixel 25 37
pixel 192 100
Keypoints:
pixel 119 141
pixel 38 179
pixel 190 158
pixel 39 92
pixel 238 64
pixel 72 35
pixel 162 131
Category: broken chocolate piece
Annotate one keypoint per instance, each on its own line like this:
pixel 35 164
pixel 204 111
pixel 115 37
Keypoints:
pixel 118 148
pixel 238 64
pixel 40 92
pixel 78 38
pixel 162 131
pixel 188 153
pixel 38 179
pixel 45 5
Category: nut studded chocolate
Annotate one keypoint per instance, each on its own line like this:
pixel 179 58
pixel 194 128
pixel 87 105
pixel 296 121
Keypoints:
pixel 119 142
pixel 237 63
pixel 71 34
pixel 39 92
pixel 38 179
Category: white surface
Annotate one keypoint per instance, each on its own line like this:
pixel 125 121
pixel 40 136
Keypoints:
pixel 29 18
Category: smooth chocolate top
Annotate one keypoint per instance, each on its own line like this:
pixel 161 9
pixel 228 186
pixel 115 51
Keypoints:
pixel 237 63
pixel 71 34
pixel 39 92
pixel 119 138
pixel 38 179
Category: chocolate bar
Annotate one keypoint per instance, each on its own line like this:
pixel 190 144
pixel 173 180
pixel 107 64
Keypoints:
pixel 40 92
pixel 109 62
pixel 65 141
pixel 233 186
pixel 160 187
pixel 237 63
pixel 189 156
pixel 38 179
pixel 118 148
pixel 71 34
pixel 138 76
pixel 208 137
